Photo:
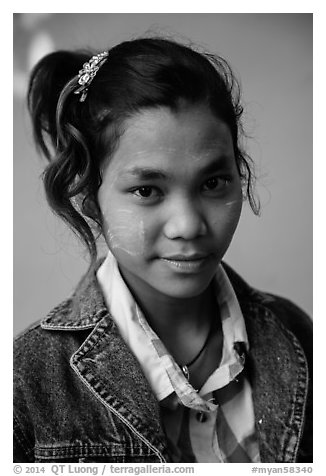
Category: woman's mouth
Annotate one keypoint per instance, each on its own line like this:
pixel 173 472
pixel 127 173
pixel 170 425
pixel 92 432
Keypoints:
pixel 187 263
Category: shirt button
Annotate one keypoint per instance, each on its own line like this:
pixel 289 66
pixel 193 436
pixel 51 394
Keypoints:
pixel 201 417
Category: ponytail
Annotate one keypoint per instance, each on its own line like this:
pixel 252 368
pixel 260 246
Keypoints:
pixel 55 114
pixel 47 81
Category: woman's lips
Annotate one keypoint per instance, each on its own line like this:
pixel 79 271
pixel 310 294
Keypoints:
pixel 186 257
pixel 187 263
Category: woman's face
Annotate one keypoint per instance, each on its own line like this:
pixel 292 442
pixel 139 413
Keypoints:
pixel 171 200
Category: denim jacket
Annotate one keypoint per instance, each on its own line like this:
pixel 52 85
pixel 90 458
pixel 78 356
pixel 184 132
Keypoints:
pixel 81 396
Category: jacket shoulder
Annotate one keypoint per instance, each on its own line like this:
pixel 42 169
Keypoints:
pixel 38 347
pixel 34 340
pixel 287 311
pixel 291 316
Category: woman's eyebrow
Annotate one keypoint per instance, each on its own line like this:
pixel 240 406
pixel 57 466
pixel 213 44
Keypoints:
pixel 151 173
pixel 147 173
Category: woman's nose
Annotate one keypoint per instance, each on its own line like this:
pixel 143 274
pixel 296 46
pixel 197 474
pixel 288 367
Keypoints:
pixel 185 220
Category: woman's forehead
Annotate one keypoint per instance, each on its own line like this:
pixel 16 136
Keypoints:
pixel 162 123
pixel 157 134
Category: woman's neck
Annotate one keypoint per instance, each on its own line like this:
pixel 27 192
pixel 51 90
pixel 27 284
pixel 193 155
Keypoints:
pixel 181 315
pixel 182 324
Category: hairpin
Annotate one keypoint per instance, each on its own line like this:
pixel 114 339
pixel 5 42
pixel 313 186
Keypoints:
pixel 88 73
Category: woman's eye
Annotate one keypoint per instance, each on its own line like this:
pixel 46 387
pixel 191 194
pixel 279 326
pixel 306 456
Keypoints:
pixel 146 192
pixel 215 183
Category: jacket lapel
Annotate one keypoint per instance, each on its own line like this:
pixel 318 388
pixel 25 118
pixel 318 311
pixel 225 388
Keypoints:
pixel 111 372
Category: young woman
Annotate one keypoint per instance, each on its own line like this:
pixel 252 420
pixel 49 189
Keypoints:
pixel 163 353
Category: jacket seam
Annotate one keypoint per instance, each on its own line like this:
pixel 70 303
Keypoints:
pixel 305 388
pixel 84 450
pixel 67 328
pixel 84 445
pixel 71 325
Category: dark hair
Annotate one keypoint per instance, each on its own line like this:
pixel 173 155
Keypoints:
pixel 76 136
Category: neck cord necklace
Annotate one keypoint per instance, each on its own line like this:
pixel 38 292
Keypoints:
pixel 185 367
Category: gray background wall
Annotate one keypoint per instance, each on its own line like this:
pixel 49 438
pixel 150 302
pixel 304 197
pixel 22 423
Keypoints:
pixel 272 56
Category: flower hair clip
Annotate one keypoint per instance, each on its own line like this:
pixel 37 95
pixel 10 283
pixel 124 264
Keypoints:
pixel 88 73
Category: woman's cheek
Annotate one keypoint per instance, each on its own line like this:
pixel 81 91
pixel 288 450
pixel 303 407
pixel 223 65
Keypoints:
pixel 125 232
pixel 227 218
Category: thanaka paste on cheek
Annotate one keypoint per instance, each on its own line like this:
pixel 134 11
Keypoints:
pixel 231 214
pixel 127 236
pixel 229 204
pixel 122 230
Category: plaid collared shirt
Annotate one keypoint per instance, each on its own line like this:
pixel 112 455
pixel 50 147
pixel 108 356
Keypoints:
pixel 214 424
